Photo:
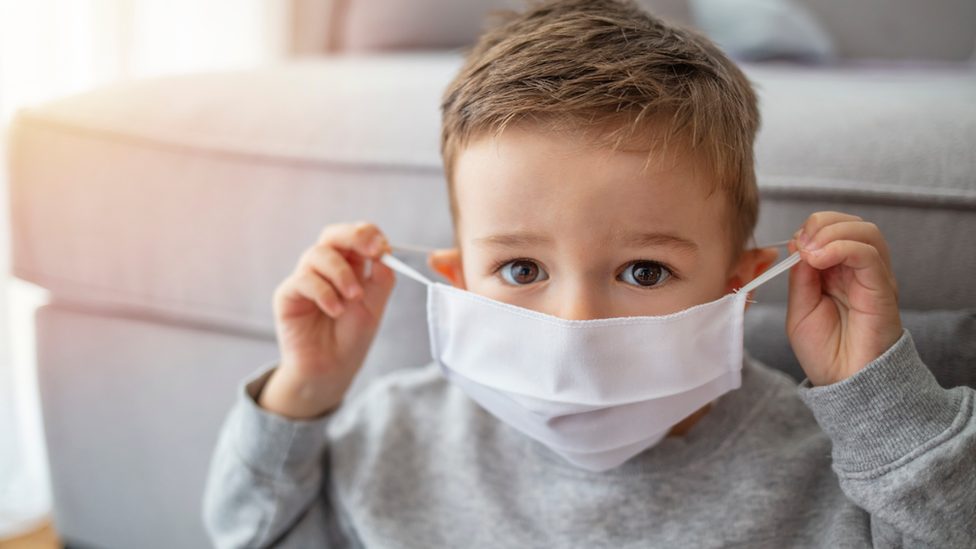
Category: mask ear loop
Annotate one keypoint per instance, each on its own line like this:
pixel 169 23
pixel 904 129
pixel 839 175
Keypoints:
pixel 781 267
pixel 780 244
pixel 404 269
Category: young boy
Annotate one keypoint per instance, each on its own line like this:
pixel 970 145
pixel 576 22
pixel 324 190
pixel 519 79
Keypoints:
pixel 600 166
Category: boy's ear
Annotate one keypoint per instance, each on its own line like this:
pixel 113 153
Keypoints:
pixel 751 264
pixel 447 263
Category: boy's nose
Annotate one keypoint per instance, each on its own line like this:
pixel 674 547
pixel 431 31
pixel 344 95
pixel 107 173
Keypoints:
pixel 580 304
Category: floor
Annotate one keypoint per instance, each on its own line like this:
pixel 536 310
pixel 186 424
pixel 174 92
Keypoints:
pixel 42 538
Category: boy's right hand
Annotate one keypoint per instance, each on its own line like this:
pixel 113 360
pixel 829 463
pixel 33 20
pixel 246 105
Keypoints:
pixel 326 315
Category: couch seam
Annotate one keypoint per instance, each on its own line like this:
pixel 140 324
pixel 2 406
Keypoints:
pixel 857 191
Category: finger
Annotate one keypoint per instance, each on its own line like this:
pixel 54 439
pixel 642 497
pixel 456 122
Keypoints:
pixel 818 221
pixel 805 291
pixel 363 238
pixel 869 269
pixel 858 231
pixel 335 268
pixel 358 264
pixel 378 288
pixel 309 286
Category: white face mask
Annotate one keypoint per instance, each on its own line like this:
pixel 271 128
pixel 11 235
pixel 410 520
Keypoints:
pixel 596 392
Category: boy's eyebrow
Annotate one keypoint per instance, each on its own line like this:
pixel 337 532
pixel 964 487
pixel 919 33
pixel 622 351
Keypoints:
pixel 640 240
pixel 514 240
pixel 629 239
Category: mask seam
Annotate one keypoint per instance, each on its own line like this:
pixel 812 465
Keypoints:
pixel 738 334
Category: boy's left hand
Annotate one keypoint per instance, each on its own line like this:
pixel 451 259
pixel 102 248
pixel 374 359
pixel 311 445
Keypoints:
pixel 843 303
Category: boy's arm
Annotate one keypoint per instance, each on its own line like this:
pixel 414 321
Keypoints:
pixel 265 485
pixel 904 449
pixel 266 476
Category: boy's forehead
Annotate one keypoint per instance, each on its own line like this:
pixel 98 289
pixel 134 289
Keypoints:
pixel 562 165
pixel 549 185
pixel 529 149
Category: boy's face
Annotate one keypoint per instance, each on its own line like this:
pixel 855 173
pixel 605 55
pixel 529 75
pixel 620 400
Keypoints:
pixel 551 225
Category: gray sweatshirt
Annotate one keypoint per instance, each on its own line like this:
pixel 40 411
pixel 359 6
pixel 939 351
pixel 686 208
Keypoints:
pixel 885 458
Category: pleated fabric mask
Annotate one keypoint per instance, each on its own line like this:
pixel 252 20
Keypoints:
pixel 596 392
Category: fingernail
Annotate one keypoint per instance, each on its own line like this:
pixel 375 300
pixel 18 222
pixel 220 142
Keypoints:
pixel 804 239
pixel 338 309
pixel 376 245
pixel 811 246
pixel 352 290
pixel 816 252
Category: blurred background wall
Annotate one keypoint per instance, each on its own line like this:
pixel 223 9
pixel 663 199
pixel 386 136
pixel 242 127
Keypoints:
pixel 54 48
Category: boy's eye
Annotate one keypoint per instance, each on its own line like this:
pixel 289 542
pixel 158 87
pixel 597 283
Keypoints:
pixel 522 271
pixel 645 273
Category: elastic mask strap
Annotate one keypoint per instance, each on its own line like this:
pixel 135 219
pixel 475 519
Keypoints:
pixel 781 267
pixel 404 269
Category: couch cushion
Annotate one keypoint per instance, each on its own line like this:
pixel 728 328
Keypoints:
pixel 764 29
pixel 355 110
pixel 377 25
pixel 892 145
pixel 191 197
pixel 899 29
pixel 861 29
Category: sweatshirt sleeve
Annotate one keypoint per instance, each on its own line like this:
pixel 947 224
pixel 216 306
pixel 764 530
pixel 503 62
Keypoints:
pixel 265 484
pixel 904 449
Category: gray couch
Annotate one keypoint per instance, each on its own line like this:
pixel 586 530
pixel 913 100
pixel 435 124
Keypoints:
pixel 161 214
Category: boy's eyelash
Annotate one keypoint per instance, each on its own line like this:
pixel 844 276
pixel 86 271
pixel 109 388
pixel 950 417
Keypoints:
pixel 499 264
pixel 665 266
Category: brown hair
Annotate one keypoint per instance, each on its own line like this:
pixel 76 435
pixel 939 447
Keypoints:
pixel 609 65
